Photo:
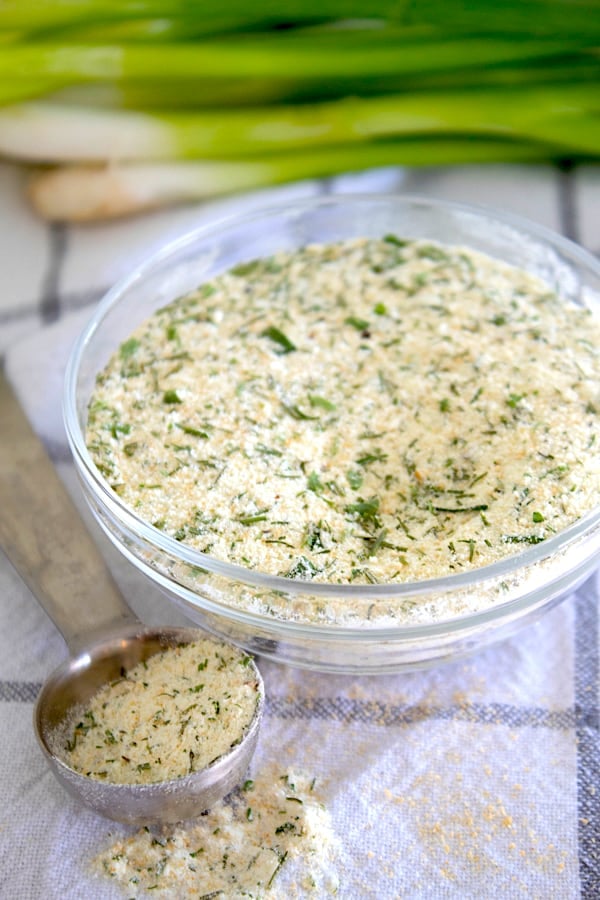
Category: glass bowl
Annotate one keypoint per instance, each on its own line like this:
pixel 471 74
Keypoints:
pixel 345 628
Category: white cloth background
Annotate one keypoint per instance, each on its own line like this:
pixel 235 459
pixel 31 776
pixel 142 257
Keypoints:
pixel 475 779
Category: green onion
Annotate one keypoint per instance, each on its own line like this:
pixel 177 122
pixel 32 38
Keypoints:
pixel 451 16
pixel 563 116
pixel 84 193
pixel 278 55
pixel 188 101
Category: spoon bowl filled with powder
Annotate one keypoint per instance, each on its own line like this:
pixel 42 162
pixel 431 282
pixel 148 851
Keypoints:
pixel 153 725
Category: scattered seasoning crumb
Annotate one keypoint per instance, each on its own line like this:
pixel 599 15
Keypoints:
pixel 168 716
pixel 286 846
pixel 357 412
pixel 464 834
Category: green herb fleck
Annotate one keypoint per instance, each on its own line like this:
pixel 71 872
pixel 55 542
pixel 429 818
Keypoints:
pixel 321 402
pixel 296 413
pixel 128 348
pixel 366 574
pixel 513 400
pixel 435 254
pixel 267 451
pixel 314 483
pixel 246 268
pixel 278 337
pixel 314 537
pixel 522 539
pixel 194 432
pixel 395 241
pixel 365 510
pixel 478 507
pixel 359 324
pixel 253 519
pixel 286 827
pixel 282 859
pixel 355 478
pixel 303 569
pixel 374 456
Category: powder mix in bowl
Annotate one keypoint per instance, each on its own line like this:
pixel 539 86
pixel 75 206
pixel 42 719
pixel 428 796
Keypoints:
pixel 375 410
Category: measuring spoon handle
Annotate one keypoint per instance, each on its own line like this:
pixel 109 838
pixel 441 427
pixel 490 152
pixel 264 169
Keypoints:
pixel 43 536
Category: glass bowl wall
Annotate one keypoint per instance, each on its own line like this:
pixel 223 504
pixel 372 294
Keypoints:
pixel 349 628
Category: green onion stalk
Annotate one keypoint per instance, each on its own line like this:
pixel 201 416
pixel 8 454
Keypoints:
pixel 83 193
pixel 562 116
pixel 129 105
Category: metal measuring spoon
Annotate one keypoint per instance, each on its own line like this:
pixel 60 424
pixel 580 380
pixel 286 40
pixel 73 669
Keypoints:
pixel 43 536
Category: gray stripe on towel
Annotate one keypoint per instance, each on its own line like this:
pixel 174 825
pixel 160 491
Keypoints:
pixel 19 691
pixel 587 680
pixel 373 712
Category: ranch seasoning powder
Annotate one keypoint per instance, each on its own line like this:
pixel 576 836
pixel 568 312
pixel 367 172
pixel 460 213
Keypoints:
pixel 370 411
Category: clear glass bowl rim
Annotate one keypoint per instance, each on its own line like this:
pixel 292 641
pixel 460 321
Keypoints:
pixel 181 552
